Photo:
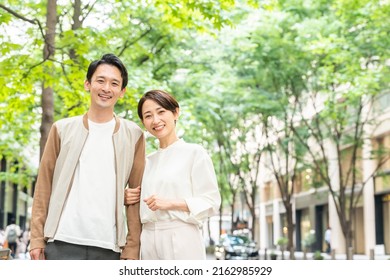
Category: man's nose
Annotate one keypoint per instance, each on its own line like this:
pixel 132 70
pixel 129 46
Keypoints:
pixel 106 86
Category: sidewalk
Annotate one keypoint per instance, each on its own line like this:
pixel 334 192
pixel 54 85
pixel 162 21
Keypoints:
pixel 309 256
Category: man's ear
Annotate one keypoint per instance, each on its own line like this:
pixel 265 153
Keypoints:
pixel 87 85
pixel 122 93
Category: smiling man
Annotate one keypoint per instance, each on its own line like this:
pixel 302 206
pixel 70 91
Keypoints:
pixel 88 161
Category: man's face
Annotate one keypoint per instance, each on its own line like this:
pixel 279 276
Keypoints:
pixel 105 86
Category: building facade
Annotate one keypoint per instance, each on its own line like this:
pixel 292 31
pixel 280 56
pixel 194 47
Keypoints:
pixel 314 209
pixel 16 188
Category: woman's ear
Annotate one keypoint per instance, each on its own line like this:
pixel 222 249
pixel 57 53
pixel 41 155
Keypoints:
pixel 177 113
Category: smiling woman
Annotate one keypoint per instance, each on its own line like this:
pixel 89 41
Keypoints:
pixel 159 115
pixel 179 187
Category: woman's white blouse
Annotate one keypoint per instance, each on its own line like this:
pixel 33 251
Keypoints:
pixel 180 171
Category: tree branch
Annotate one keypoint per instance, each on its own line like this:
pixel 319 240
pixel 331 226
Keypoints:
pixel 32 21
pixel 19 16
pixel 129 43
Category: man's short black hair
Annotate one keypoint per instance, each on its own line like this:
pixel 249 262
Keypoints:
pixel 110 59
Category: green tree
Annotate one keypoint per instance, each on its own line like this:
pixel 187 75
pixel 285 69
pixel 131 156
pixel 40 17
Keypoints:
pixel 71 34
pixel 341 90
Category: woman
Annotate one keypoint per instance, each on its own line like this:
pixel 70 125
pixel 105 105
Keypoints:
pixel 179 187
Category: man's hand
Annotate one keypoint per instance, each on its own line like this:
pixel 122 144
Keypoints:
pixel 37 254
pixel 132 196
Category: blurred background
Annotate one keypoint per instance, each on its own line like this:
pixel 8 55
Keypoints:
pixel 291 99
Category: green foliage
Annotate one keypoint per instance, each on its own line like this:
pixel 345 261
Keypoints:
pixel 318 256
pixel 309 239
pixel 282 242
pixel 235 69
pixel 144 36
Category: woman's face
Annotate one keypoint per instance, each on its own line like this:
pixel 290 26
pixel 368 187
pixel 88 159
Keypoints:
pixel 159 121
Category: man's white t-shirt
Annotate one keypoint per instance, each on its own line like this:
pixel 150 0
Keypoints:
pixel 88 217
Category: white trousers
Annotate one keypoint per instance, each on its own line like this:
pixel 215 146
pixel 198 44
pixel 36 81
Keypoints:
pixel 172 240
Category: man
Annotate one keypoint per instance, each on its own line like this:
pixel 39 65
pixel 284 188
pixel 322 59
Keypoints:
pixel 87 162
pixel 12 234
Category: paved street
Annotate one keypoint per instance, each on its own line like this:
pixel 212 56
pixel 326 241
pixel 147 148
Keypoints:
pixel 298 256
pixel 309 256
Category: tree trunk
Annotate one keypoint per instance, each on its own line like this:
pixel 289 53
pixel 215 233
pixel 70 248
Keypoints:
pixel 77 23
pixel 232 206
pixel 290 232
pixel 348 239
pixel 47 99
pixel 253 229
pixel 220 217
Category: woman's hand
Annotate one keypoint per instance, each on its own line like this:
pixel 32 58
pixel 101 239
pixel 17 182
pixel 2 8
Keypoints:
pixel 132 195
pixel 157 203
